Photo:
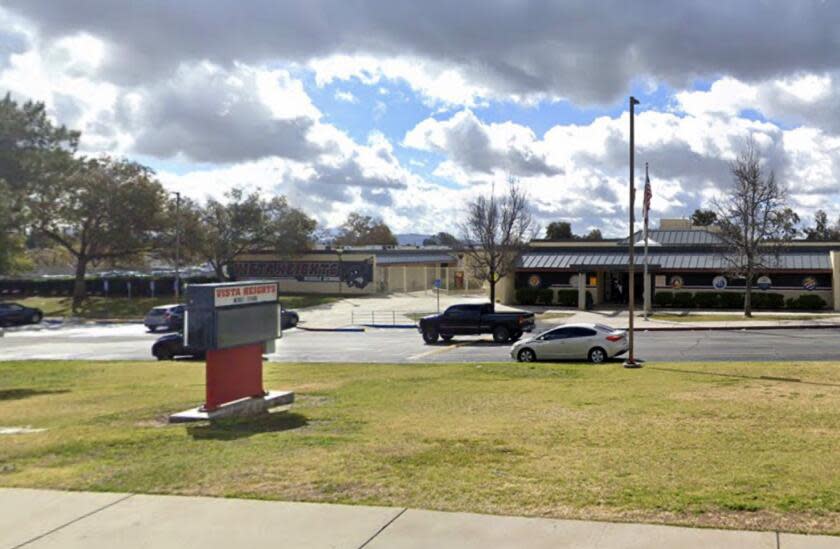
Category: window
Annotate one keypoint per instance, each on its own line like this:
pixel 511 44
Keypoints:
pixel 562 333
pixel 581 332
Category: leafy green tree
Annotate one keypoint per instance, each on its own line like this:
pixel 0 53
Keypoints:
pixel 246 223
pixel 822 229
pixel 562 230
pixel 363 230
pixel 31 148
pixel 442 239
pixel 100 209
pixel 559 230
pixel 703 218
pixel 12 257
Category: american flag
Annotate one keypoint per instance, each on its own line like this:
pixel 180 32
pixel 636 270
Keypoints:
pixel 648 196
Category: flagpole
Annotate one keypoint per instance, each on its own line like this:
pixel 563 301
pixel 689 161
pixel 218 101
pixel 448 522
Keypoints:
pixel 631 270
pixel 645 285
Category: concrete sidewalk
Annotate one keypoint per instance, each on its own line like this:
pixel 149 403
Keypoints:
pixel 71 520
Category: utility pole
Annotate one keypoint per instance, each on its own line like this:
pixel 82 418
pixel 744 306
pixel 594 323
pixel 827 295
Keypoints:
pixel 177 246
pixel 631 268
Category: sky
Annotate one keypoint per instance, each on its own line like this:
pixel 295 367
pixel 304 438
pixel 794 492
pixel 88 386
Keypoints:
pixel 408 110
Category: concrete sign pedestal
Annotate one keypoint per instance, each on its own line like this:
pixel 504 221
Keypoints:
pixel 251 406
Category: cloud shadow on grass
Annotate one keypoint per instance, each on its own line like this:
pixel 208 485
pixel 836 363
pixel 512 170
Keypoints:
pixel 17 394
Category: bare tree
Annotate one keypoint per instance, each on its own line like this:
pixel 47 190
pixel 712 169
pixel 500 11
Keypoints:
pixel 753 219
pixel 495 232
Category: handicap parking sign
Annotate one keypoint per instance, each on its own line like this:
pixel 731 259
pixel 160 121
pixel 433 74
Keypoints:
pixel 437 283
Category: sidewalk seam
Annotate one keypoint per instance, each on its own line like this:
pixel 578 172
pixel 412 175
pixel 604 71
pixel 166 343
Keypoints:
pixel 75 520
pixel 387 524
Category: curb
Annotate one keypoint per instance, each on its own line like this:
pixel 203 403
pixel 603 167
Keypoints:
pixel 299 327
pixel 734 328
pixel 398 326
pixel 77 320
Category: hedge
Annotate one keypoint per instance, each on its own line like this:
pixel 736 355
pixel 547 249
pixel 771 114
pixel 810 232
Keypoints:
pixel 545 296
pixel 683 300
pixel 731 300
pixel 806 302
pixel 663 299
pixel 710 300
pixel 567 298
pixel 768 301
pixel 533 296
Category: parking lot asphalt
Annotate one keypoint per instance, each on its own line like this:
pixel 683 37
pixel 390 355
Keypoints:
pixel 131 342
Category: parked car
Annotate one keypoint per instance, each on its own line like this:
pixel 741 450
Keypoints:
pixel 593 342
pixel 474 319
pixel 288 319
pixel 169 317
pixel 171 346
pixel 15 314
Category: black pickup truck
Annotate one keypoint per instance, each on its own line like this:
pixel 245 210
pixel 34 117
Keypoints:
pixel 473 320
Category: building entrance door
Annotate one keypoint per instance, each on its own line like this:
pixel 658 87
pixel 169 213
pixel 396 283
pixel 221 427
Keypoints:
pixel 617 291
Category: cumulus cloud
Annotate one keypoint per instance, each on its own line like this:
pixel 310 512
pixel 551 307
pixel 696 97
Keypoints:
pixel 585 51
pixel 478 147
pixel 208 114
pixel 811 99
pixel 220 87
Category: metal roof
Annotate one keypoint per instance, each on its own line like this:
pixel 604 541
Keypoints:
pixel 665 260
pixel 409 258
pixel 678 238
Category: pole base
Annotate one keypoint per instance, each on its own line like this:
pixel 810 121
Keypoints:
pixel 633 363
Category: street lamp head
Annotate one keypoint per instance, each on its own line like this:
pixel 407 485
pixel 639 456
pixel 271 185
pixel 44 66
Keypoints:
pixel 634 101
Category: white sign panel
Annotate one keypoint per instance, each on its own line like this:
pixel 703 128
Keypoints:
pixel 240 295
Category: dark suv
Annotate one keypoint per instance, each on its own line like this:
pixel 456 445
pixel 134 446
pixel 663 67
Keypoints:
pixel 168 317
pixel 15 314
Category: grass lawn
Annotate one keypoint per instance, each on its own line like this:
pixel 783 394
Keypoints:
pixel 123 308
pixel 703 444
pixel 713 317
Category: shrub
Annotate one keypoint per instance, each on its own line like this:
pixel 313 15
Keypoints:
pixel 768 301
pixel 545 296
pixel 526 296
pixel 663 299
pixel 732 300
pixel 683 300
pixel 567 298
pixel 808 302
pixel 707 300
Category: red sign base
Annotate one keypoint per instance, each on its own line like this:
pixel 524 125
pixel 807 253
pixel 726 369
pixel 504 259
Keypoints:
pixel 233 374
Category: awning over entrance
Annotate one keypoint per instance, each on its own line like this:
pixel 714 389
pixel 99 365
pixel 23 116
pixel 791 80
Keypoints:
pixel 588 260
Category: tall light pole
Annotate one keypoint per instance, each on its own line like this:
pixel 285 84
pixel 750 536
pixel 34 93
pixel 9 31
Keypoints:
pixel 631 268
pixel 177 246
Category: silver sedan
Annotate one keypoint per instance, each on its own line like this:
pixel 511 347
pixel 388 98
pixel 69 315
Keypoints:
pixel 593 342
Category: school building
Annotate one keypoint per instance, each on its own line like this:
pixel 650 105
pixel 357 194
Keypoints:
pixel 684 262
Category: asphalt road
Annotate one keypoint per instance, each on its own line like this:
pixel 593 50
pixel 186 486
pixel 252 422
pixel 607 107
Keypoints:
pixel 131 342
